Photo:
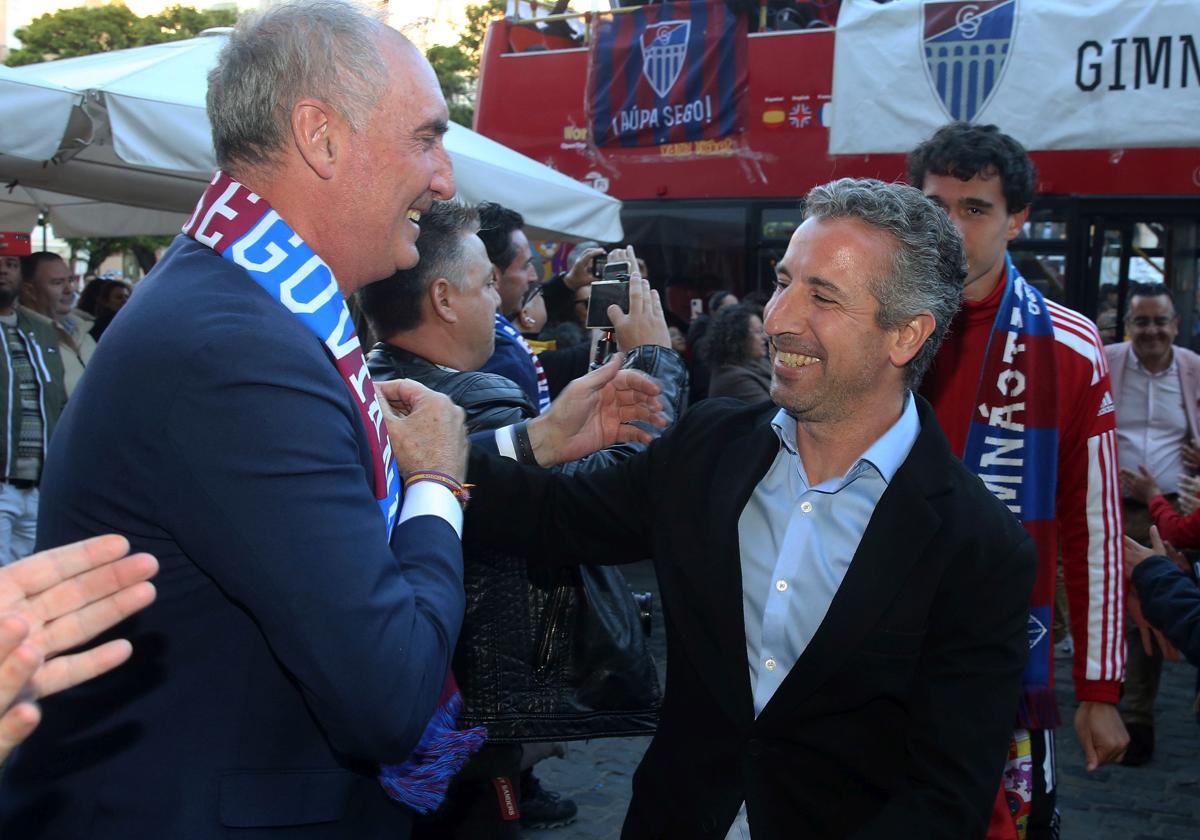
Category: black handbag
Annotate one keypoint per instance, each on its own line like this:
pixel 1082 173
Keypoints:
pixel 574 665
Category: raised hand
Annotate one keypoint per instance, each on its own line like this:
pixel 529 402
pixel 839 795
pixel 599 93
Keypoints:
pixel 580 274
pixel 595 411
pixel 645 322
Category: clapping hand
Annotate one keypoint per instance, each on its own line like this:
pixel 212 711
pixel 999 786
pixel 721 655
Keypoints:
pixel 1139 485
pixel 56 600
pixel 1135 554
pixel 1191 456
pixel 1189 487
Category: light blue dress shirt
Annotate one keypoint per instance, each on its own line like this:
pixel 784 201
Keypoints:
pixel 796 545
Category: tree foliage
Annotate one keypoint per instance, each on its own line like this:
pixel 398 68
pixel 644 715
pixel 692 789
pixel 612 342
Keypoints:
pixel 99 249
pixel 479 16
pixel 84 30
pixel 457 65
pixel 68 33
pixel 180 22
pixel 456 74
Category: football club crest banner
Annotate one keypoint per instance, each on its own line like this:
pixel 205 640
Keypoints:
pixel 669 73
pixel 1055 74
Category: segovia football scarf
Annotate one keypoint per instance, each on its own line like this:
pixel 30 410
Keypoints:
pixel 241 227
pixel 543 387
pixel 1012 446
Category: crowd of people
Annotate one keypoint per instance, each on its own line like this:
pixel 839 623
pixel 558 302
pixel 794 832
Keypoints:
pixel 386 475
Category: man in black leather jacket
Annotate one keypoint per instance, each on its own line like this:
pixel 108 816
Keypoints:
pixel 574 664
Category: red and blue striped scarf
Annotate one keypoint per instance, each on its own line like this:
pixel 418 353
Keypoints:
pixel 241 227
pixel 1012 445
pixel 543 385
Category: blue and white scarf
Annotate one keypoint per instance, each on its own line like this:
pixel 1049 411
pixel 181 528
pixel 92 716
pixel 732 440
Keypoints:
pixel 241 227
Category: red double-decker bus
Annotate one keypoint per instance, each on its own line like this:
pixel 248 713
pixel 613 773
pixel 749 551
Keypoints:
pixel 706 217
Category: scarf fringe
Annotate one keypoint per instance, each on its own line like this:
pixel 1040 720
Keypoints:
pixel 422 780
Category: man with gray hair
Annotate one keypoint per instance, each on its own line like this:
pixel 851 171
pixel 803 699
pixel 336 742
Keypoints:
pixel 846 605
pixel 292 678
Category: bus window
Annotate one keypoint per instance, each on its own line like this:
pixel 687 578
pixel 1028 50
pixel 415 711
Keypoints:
pixel 693 249
pixel 1040 252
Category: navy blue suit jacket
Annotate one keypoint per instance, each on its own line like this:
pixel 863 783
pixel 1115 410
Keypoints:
pixel 290 649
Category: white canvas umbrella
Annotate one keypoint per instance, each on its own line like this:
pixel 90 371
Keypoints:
pixel 129 128
pixel 73 215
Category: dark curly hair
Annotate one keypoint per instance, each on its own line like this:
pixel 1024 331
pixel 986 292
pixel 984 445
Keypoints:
pixel 725 341
pixel 963 151
pixel 496 226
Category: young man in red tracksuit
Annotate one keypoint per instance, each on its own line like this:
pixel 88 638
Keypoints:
pixel 1021 388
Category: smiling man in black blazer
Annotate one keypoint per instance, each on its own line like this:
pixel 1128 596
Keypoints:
pixel 845 603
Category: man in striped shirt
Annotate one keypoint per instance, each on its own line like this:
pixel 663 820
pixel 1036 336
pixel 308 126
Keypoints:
pixel 32 394
pixel 985 181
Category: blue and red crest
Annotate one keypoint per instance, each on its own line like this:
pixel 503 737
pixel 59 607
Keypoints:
pixel 667 73
pixel 664 51
pixel 966 47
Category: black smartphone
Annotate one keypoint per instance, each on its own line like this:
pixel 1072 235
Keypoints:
pixel 605 294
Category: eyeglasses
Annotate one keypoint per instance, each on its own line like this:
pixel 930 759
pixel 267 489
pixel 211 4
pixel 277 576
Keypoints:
pixel 532 292
pixel 1145 320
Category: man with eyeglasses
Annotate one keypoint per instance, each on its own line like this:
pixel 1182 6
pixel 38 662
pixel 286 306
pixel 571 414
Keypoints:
pixel 1156 387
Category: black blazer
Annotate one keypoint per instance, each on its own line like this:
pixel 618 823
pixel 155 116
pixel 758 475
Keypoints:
pixel 895 720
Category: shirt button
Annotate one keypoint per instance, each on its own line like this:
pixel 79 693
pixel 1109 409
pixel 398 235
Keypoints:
pixel 770 663
pixel 806 507
pixel 781 585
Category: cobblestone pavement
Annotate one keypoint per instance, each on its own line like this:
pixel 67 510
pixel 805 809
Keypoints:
pixel 1159 800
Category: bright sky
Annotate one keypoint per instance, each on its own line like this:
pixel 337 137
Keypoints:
pixel 438 18
pixel 425 21
pixel 18 13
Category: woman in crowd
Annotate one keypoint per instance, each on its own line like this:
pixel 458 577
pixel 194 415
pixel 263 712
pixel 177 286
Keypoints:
pixel 90 296
pixel 735 350
pixel 109 301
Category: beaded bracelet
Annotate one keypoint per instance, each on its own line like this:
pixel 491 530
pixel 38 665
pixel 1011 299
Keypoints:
pixel 460 491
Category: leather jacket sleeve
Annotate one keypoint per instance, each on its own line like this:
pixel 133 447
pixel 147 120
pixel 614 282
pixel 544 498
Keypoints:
pixel 490 400
pixel 668 369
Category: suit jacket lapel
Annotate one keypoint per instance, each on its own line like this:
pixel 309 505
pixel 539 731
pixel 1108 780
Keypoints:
pixel 901 527
pixel 1187 383
pixel 1116 368
pixel 740 467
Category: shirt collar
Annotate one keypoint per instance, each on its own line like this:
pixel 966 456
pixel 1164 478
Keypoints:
pixel 885 455
pixel 1136 363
